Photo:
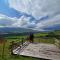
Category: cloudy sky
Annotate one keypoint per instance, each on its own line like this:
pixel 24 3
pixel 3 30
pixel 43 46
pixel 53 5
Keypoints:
pixel 34 14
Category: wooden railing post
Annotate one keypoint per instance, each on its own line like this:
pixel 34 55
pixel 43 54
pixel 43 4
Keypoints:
pixel 22 41
pixel 3 49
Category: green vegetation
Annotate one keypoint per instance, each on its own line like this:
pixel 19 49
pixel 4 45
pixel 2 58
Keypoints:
pixel 40 34
pixel 7 56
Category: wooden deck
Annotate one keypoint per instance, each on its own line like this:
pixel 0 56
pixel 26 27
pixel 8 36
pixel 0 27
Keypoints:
pixel 39 50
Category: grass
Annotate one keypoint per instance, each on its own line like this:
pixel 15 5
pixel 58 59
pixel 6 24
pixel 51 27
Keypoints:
pixel 40 34
pixel 8 56
pixel 42 40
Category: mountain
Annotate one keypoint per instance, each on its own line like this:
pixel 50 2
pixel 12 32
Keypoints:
pixel 15 30
pixel 53 28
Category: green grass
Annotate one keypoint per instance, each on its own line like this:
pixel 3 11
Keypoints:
pixel 8 56
pixel 42 40
pixel 40 34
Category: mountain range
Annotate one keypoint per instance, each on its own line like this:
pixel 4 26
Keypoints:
pixel 7 30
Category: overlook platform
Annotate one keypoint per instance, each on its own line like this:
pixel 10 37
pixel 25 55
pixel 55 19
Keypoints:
pixel 39 50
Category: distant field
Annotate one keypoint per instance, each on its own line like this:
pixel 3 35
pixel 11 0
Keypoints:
pixel 7 55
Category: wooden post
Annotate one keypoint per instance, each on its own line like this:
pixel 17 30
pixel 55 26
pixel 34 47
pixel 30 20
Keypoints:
pixel 3 49
pixel 22 41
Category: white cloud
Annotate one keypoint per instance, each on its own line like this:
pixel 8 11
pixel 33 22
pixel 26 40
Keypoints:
pixel 47 23
pixel 37 8
pixel 6 21
pixel 23 21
